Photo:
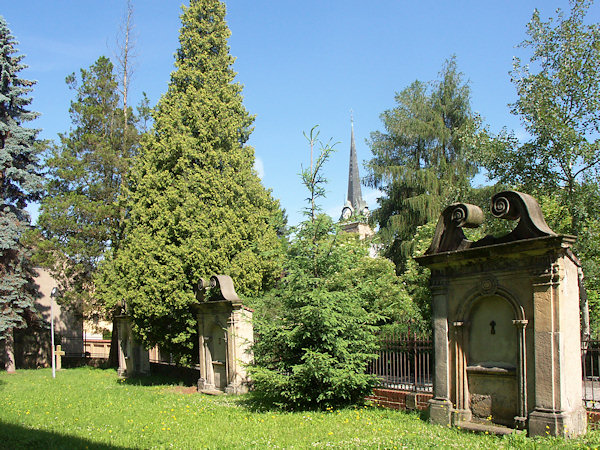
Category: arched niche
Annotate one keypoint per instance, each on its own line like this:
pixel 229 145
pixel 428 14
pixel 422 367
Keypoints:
pixel 493 339
pixel 490 356
pixel 217 347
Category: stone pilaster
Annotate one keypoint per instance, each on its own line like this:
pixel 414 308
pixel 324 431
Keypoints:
pixel 440 406
pixel 557 411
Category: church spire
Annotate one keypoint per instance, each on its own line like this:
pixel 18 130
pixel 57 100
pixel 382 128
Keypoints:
pixel 354 191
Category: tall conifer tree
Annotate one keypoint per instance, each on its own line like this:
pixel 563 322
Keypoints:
pixel 196 205
pixel 81 217
pixel 20 183
pixel 420 162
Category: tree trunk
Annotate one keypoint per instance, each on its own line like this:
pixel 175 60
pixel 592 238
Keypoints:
pixel 9 352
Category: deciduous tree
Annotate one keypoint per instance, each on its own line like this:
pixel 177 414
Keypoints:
pixel 559 104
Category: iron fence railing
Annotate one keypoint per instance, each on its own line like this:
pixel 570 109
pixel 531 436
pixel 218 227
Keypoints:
pixel 404 362
pixel 590 367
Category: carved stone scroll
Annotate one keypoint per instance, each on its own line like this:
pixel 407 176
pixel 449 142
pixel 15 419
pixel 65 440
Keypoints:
pixel 220 287
pixel 225 285
pixel 509 205
pixel 513 205
pixel 448 233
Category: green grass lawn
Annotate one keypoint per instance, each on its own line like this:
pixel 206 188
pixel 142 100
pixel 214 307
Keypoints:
pixel 93 408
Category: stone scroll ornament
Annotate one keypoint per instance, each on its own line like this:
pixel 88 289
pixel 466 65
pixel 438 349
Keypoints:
pixel 509 205
pixel 449 235
pixel 219 287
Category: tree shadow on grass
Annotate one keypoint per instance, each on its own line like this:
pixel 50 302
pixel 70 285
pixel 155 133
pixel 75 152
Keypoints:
pixel 19 437
pixel 159 380
pixel 259 403
pixel 255 402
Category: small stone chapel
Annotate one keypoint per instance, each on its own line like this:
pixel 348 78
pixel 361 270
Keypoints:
pixel 506 323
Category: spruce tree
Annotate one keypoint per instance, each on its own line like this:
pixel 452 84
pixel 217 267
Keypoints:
pixel 20 183
pixel 196 207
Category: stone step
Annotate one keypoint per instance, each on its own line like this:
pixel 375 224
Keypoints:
pixel 211 392
pixel 491 428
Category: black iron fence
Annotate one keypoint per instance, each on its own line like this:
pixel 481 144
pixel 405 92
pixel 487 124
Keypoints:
pixel 404 362
pixel 590 366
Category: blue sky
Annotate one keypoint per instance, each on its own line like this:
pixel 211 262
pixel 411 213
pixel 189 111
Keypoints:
pixel 302 63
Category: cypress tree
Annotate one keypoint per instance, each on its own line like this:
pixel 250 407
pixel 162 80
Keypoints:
pixel 196 207
pixel 20 183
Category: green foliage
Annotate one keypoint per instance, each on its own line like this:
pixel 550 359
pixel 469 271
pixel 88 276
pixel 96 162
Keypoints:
pixel 559 104
pixel 416 278
pixel 80 216
pixel 420 162
pixel 195 205
pixel 316 330
pixel 312 178
pixel 559 101
pixel 20 183
pixel 314 352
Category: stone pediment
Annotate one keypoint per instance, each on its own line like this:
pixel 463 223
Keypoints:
pixel 508 205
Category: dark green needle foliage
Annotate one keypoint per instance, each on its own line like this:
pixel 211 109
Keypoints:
pixel 316 332
pixel 81 217
pixel 420 161
pixel 20 183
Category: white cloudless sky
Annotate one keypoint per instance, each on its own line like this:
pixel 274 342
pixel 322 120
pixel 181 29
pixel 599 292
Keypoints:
pixel 302 63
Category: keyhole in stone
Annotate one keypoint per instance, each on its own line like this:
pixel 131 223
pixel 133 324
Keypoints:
pixel 493 327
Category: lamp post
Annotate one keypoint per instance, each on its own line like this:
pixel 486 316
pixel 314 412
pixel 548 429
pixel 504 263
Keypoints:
pixel 53 296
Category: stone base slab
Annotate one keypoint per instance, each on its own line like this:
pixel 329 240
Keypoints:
pixel 236 389
pixel 557 423
pixel 460 416
pixel 440 412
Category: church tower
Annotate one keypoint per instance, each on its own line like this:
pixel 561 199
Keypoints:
pixel 355 212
